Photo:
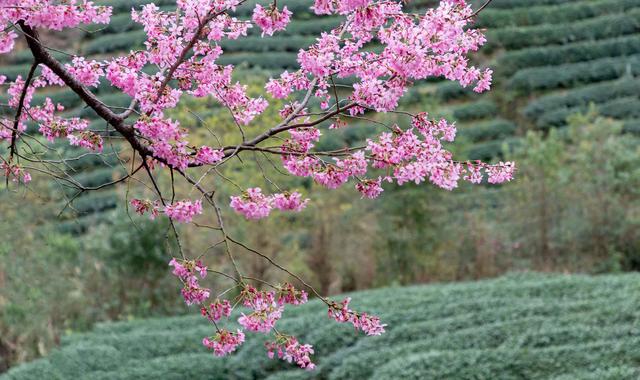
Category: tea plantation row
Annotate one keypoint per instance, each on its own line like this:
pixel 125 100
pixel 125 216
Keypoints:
pixel 522 326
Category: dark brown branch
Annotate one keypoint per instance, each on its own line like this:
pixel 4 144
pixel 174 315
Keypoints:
pixel 279 129
pixel 42 56
pixel 23 95
pixel 480 9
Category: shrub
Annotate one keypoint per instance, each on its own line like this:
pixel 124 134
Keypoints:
pixel 631 126
pixel 489 150
pixel 488 130
pixel 564 12
pixel 115 42
pixel 476 110
pixel 449 90
pixel 548 34
pixel 267 44
pixel 513 61
pixel 572 74
pixel 506 4
pixel 595 93
pixel 275 60
pixel 95 202
pixel 622 108
pixel 518 326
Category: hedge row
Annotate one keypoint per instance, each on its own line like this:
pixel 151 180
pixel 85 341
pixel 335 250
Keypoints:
pixel 450 90
pixel 476 110
pixel 269 44
pixel 513 61
pixel 24 56
pixel 536 311
pixel 622 108
pixel 631 126
pixel 267 60
pixel 598 28
pixel 507 4
pixel 115 42
pixel 561 13
pixel 13 71
pixel 94 202
pixel 97 177
pixel 488 130
pixel 77 226
pixel 511 364
pixel 596 93
pixel 489 150
pixel 529 321
pixel 572 74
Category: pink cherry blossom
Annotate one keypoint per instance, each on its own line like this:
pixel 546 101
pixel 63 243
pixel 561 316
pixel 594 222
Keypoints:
pixel 217 310
pixel 265 310
pixel 271 20
pixel 369 324
pixel 252 204
pixel 370 188
pixel 224 342
pixel 290 201
pixel 288 294
pixel 288 348
pixel 183 211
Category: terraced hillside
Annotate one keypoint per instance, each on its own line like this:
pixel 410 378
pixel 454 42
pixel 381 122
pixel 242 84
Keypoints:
pixel 551 58
pixel 522 326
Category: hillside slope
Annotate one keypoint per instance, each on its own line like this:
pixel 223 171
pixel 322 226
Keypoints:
pixel 551 58
pixel 521 326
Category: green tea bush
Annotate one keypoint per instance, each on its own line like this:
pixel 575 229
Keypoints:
pixel 98 177
pixel 631 126
pixel 115 42
pixel 267 60
pixel 267 44
pixel 622 108
pixel 595 93
pixel 561 13
pixel 515 327
pixel 573 74
pixel 549 34
pixel 513 61
pixel 476 110
pixel 489 150
pixel 523 3
pixel 488 130
pixel 95 202
pixel 449 90
pixel 13 71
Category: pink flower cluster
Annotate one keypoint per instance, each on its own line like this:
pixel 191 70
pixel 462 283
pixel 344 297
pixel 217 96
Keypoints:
pixel 143 206
pixel 186 271
pixel 49 14
pixel 183 211
pixel 370 188
pixel 224 342
pixel 265 310
pixel 288 348
pixel 361 321
pixel 253 204
pixel 271 20
pixel 217 310
pixel 87 73
pixel 288 294
pixel 15 172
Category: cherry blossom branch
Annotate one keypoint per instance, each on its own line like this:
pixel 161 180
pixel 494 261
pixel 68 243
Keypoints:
pixel 23 95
